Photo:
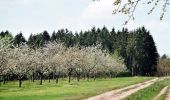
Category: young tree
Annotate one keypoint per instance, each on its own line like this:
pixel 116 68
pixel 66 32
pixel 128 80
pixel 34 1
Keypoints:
pixel 19 61
pixel 4 50
pixel 71 61
pixel 57 65
pixel 53 53
pixel 41 67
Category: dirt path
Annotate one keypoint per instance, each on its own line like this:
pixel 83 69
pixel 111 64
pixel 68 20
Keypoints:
pixel 163 91
pixel 168 95
pixel 124 92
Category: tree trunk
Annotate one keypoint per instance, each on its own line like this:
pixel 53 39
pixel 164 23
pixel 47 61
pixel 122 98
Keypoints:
pixel 94 77
pixel 8 77
pixel 40 79
pixel 84 76
pixel 49 78
pixel 63 77
pixel 20 82
pixel 78 77
pixel 57 79
pixel 105 75
pixel 132 71
pixel 4 81
pixel 33 77
pixel 69 80
pixel 53 76
pixel 110 74
pixel 0 80
pixel 132 64
pixel 69 74
pixel 88 76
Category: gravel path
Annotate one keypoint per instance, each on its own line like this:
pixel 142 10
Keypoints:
pixel 124 92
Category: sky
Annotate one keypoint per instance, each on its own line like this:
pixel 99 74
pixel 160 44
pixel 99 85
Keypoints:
pixel 35 16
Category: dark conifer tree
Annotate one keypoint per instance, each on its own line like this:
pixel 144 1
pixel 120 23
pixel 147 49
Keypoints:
pixel 2 34
pixel 164 56
pixel 113 40
pixel 53 36
pixel 142 53
pixel 6 34
pixel 19 39
pixel 32 41
pixel 45 37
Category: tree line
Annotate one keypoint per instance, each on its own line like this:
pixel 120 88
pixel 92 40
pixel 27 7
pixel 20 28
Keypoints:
pixel 55 60
pixel 137 48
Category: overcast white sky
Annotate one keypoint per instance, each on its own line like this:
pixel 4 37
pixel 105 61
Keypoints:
pixel 34 16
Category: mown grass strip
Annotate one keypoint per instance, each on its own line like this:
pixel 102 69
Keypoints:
pixel 150 92
pixel 63 90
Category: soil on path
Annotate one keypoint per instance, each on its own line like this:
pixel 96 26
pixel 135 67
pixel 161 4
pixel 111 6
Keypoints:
pixel 168 95
pixel 124 92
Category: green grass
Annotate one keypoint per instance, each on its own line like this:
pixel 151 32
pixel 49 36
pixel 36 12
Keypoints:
pixel 162 97
pixel 63 90
pixel 150 92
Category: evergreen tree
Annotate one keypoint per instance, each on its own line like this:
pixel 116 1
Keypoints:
pixel 113 40
pixel 121 43
pixel 105 37
pixel 164 56
pixel 6 36
pixel 53 36
pixel 19 39
pixel 2 34
pixel 142 53
pixel 32 41
pixel 45 37
pixel 76 39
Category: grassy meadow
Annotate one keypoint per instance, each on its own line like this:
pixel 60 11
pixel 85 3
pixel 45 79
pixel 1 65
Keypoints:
pixel 63 90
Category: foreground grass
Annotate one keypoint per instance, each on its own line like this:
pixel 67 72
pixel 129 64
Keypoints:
pixel 150 92
pixel 63 90
pixel 162 97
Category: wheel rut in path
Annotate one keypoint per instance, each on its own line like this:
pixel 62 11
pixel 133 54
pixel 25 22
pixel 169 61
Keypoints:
pixel 163 91
pixel 168 95
pixel 123 92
